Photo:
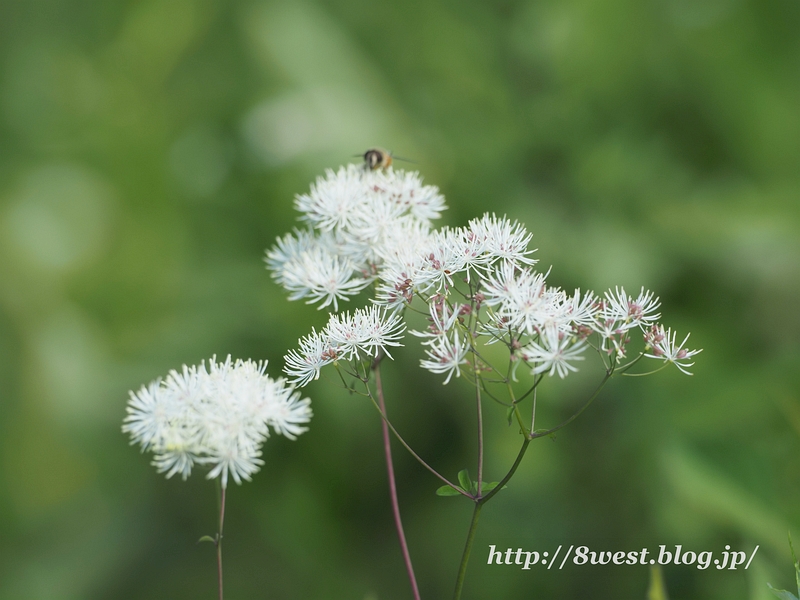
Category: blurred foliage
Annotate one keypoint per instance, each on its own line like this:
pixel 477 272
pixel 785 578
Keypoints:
pixel 784 594
pixel 656 589
pixel 150 151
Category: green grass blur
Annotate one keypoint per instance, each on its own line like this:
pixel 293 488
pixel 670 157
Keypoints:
pixel 149 153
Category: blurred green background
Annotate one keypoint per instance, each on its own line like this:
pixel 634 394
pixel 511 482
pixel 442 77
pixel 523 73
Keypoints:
pixel 149 153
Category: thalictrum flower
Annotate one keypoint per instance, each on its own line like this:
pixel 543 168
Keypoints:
pixel 662 346
pixel 363 334
pixel 554 353
pixel 446 354
pixel 217 415
pixel 373 229
pixel 629 312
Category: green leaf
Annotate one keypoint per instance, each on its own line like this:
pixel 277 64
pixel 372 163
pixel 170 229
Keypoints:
pixel 488 487
pixel 207 538
pixel 446 490
pixel 782 594
pixel 464 480
pixel 510 414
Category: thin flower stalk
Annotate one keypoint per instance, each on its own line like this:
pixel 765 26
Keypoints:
pixel 398 522
pixel 215 415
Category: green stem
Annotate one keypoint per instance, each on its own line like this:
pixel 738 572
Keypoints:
pixel 479 502
pixel 480 439
pixel 538 434
pixel 473 526
pixel 219 541
pixel 462 569
pixel 525 443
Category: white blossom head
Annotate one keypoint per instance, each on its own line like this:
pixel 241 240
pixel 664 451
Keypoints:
pixel 661 345
pixel 359 220
pixel 554 353
pixel 364 334
pixel 217 415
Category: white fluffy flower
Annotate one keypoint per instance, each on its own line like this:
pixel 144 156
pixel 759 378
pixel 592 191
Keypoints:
pixel 442 259
pixel 362 334
pixel 446 354
pixel 662 346
pixel 583 310
pixel 303 365
pixel 504 240
pixel 423 202
pixel 289 248
pixel 403 262
pixel 362 219
pixel 372 226
pixel 554 353
pixel 335 199
pixel 523 302
pixel 218 416
pixel 310 267
pixel 621 307
pixel 442 320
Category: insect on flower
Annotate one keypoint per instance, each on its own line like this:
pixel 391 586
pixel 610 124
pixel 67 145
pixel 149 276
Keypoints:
pixel 378 158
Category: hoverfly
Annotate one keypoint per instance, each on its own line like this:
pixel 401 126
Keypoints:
pixel 378 158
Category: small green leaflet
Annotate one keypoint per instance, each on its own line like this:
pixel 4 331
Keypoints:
pixel 464 480
pixel 467 486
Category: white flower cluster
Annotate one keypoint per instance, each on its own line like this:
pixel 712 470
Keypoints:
pixel 373 227
pixel 361 335
pixel 217 415
pixel 359 218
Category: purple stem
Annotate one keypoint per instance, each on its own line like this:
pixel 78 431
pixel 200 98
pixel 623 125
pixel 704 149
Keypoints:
pixel 398 523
